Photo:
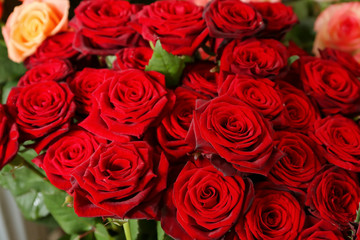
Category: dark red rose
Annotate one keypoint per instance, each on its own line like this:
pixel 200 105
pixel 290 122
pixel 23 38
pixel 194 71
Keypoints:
pixel 343 58
pixel 102 27
pixel 172 131
pixel 65 154
pixel 84 83
pixel 334 196
pixel 57 46
pixel 275 213
pixel 208 203
pixel 300 113
pixel 136 57
pixel 340 140
pixel 228 127
pixel 278 18
pixel 42 110
pixel 128 104
pixel 301 162
pixel 177 24
pixel 232 19
pixel 321 230
pixel 51 70
pixel 264 58
pixel 334 88
pixel 200 78
pixel 258 93
pixel 122 180
pixel 9 136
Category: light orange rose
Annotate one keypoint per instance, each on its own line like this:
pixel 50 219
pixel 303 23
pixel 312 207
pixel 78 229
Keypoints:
pixel 31 23
pixel 338 27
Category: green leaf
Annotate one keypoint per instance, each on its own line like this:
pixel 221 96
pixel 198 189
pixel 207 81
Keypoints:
pixel 110 61
pixel 160 231
pixel 134 228
pixel 168 64
pixel 26 187
pixel 6 90
pixel 64 215
pixel 292 59
pixel 101 233
pixel 9 71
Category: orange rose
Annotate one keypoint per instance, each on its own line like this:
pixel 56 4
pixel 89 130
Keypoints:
pixel 338 27
pixel 31 23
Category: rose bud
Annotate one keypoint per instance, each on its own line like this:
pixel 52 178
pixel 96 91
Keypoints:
pixel 58 46
pixel 232 19
pixel 65 154
pixel 136 57
pixel 339 138
pixel 302 160
pixel 200 78
pixel 51 70
pixel 177 24
pixel 278 18
pixel 334 88
pixel 102 27
pixel 264 58
pixel 207 203
pixel 231 129
pixel 42 111
pixel 334 196
pixel 127 104
pixel 276 213
pixel 84 83
pixel 121 180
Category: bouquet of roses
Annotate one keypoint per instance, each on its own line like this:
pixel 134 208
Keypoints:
pixel 195 121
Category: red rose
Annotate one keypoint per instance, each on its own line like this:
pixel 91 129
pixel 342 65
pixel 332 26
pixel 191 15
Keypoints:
pixel 301 162
pixel 208 203
pixel 230 128
pixel 8 137
pixel 136 57
pixel 258 93
pixel 334 196
pixel 278 18
pixel 57 46
pixel 127 105
pixel 343 58
pixel 275 213
pixel 232 19
pixel 334 88
pixel 174 127
pixel 120 180
pixel 102 27
pixel 177 24
pixel 340 139
pixel 68 152
pixel 42 110
pixel 264 58
pixel 300 114
pixel 51 70
pixel 200 78
pixel 321 230
pixel 84 83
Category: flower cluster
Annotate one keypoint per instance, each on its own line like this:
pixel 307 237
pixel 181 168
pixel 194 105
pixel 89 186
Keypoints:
pixel 248 145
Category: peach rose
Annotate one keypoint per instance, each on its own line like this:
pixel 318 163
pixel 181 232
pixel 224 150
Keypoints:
pixel 338 27
pixel 31 23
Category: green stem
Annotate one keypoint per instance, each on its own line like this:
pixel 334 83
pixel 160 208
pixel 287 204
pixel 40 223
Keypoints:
pixel 127 231
pixel 33 169
pixel 357 220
